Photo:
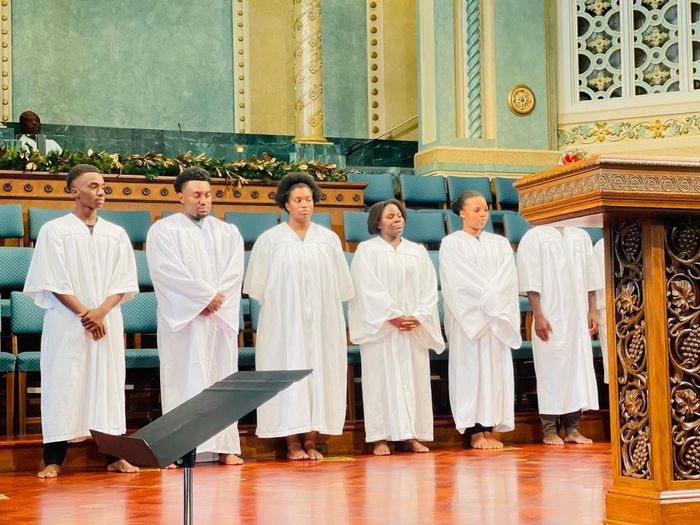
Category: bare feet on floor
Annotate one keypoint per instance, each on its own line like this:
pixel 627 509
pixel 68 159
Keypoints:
pixel 381 448
pixel 552 438
pixel 577 438
pixel 413 445
pixel 49 471
pixel 485 441
pixel 230 459
pixel 492 441
pixel 123 466
pixel 295 452
pixel 310 447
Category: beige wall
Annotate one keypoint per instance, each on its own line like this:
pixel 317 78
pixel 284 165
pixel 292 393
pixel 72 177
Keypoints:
pixel 401 77
pixel 272 67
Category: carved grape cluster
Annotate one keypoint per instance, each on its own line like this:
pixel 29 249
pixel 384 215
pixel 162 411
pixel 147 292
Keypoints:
pixel 631 242
pixel 690 347
pixel 635 347
pixel 640 455
pixel 687 241
pixel 692 456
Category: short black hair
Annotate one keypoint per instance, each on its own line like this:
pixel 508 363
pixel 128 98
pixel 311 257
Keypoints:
pixel 293 180
pixel 375 214
pixel 78 170
pixel 457 204
pixel 188 174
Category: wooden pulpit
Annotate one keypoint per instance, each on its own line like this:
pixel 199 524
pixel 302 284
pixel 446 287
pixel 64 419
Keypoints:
pixel 650 209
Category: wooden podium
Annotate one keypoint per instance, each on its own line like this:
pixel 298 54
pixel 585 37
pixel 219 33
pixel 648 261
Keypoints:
pixel 650 209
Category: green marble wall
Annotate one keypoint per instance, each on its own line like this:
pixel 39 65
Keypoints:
pixel 130 63
pixel 344 68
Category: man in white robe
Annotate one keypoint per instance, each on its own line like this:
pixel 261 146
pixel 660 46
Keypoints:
pixel 196 264
pixel 482 322
pixel 82 269
pixel 393 278
pixel 298 274
pixel 559 273
pixel 599 250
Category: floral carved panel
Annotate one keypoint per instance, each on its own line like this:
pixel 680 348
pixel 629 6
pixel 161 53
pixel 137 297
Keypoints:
pixel 683 312
pixel 631 351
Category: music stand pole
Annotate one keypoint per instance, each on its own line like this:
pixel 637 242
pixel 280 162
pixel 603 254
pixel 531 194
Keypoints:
pixel 187 463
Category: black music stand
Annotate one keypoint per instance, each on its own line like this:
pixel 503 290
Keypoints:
pixel 174 437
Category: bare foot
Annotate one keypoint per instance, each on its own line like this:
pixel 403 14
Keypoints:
pixel 493 442
pixel 49 471
pixel 552 439
pixel 381 448
pixel 577 438
pixel 294 450
pixel 171 466
pixel 230 459
pixel 123 466
pixel 413 445
pixel 310 447
pixel 479 441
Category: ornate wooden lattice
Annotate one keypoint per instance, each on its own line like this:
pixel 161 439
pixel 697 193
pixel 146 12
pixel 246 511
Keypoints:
pixel 631 351
pixel 683 311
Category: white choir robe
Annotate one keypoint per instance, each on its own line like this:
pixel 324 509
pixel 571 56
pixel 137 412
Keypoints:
pixel 482 322
pixel 390 283
pixel 82 380
pixel 599 250
pixel 189 264
pixel 563 269
pixel 300 285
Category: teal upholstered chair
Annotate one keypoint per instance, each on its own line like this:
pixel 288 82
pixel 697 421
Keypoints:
pixel 428 228
pixel 140 317
pixel 458 185
pixel 14 265
pixel 136 223
pixel 515 226
pixel 11 222
pixel 380 186
pixel 7 367
pixel 251 225
pixel 423 190
pixel 322 218
pixel 506 195
pixel 142 274
pixel 39 216
pixel 355 227
pixel 26 319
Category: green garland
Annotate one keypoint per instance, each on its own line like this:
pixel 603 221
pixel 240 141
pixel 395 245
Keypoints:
pixel 152 165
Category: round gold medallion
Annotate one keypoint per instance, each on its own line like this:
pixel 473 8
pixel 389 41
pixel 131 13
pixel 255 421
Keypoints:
pixel 521 100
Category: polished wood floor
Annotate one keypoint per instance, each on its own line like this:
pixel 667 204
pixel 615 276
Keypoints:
pixel 519 484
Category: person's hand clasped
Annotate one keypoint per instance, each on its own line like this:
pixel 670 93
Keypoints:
pixel 405 323
pixel 214 304
pixel 93 322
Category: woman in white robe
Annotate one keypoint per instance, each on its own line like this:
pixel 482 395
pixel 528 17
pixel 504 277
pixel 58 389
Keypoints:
pixel 82 268
pixel 394 319
pixel 559 273
pixel 482 322
pixel 194 259
pixel 298 274
pixel 599 250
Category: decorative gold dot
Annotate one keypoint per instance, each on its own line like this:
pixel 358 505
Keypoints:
pixel 5 73
pixel 375 129
pixel 4 3
pixel 373 4
pixel 4 18
pixel 375 104
pixel 5 101
pixel 240 51
pixel 241 64
pixel 4 44
pixel 241 130
pixel 375 116
pixel 374 79
pixel 240 13
pixel 241 118
pixel 241 77
pixel 373 42
pixel 372 17
pixel 5 87
pixel 4 59
pixel 240 24
pixel 240 39
pixel 373 29
pixel 373 54
pixel 241 105
pixel 373 67
pixel 4 31
pixel 374 91
pixel 241 91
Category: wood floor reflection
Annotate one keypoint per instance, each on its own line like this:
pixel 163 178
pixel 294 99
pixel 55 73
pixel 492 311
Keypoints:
pixel 520 484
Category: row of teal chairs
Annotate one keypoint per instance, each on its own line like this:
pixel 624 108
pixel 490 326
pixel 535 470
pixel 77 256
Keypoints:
pixel 418 190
